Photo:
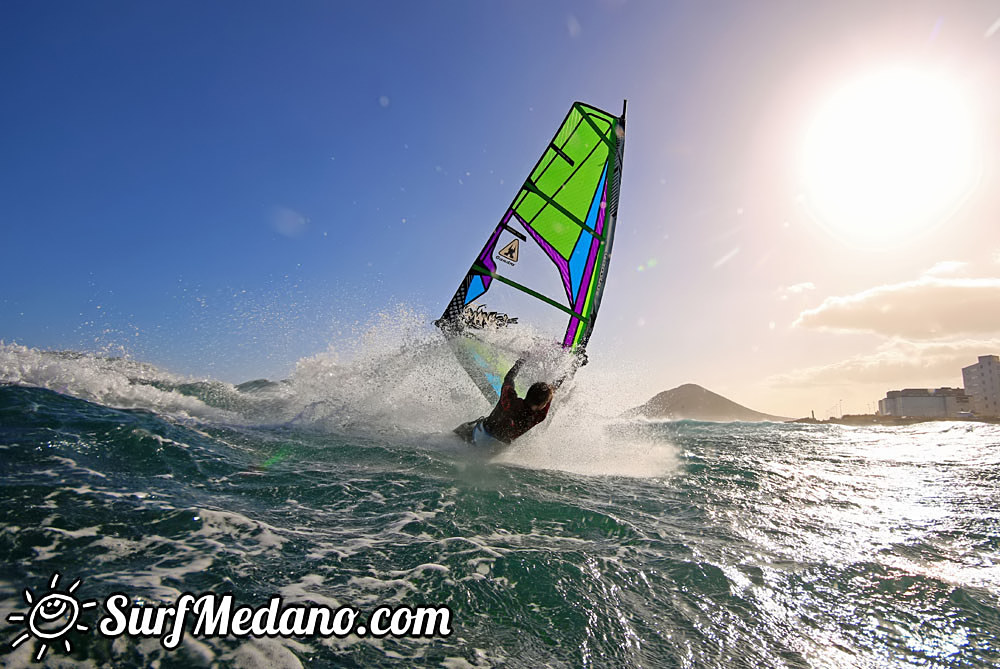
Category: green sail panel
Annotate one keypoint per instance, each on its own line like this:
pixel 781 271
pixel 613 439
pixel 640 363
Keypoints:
pixel 544 265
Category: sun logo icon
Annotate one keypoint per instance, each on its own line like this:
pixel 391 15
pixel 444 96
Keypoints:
pixel 52 617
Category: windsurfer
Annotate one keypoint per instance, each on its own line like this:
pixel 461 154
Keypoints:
pixel 512 416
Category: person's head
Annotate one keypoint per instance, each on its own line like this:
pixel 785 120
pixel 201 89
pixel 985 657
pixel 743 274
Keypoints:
pixel 538 395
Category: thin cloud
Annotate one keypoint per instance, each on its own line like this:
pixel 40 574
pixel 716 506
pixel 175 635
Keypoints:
pixel 928 308
pixel 946 267
pixel 895 364
pixel 784 292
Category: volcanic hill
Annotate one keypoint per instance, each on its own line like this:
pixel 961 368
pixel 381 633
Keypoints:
pixel 696 403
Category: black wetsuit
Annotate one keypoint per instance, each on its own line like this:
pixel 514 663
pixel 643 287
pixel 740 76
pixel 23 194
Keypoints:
pixel 512 416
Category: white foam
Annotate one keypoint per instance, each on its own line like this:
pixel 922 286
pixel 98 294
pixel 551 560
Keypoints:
pixel 217 525
pixel 117 382
pixel 481 657
pixel 420 568
pixel 75 467
pixel 266 654
pixel 304 590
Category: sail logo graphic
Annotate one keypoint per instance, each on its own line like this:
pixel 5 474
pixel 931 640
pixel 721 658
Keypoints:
pixel 481 319
pixel 508 254
pixel 51 617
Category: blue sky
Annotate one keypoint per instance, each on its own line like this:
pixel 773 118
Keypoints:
pixel 223 188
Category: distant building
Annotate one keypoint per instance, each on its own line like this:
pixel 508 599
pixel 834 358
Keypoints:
pixel 982 383
pixel 926 403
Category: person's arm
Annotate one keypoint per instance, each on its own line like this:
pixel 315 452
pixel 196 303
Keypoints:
pixel 509 379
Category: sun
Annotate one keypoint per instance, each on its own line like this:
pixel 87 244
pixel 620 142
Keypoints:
pixel 52 617
pixel 889 156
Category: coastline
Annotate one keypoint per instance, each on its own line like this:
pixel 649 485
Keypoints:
pixel 872 419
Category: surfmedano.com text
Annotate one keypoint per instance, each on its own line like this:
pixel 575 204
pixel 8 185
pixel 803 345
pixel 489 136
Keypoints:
pixel 212 615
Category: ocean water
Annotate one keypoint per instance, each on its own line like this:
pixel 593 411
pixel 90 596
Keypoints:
pixel 594 542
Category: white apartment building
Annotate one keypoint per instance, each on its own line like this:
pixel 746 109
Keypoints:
pixel 982 384
pixel 926 403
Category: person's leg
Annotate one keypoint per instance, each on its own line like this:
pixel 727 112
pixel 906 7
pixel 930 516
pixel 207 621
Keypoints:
pixel 465 430
pixel 482 438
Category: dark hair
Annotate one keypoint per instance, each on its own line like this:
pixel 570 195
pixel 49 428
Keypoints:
pixel 538 394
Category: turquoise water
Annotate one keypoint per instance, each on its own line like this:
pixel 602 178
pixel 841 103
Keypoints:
pixel 634 544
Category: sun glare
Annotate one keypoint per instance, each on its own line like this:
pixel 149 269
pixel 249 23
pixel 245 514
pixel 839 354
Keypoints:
pixel 889 156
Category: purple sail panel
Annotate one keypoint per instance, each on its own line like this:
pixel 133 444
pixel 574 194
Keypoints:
pixel 574 325
pixel 588 275
pixel 486 256
pixel 599 228
pixel 560 262
pixel 581 299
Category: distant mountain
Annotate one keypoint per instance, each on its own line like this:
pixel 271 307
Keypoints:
pixel 694 402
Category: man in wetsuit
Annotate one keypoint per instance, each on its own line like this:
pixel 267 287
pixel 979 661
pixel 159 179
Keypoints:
pixel 512 416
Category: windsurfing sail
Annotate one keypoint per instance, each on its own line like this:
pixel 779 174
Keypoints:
pixel 541 274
